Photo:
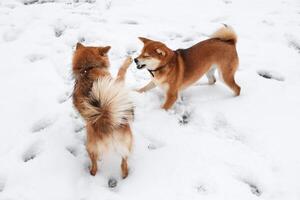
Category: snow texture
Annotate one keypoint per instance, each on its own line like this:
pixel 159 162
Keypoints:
pixel 210 146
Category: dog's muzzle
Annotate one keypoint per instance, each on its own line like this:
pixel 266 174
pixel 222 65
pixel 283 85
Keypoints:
pixel 139 66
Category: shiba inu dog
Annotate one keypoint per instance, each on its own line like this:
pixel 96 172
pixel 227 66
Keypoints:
pixel 176 70
pixel 104 104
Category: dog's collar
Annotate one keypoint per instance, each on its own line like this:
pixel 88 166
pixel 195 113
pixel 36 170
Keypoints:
pixel 155 70
pixel 161 67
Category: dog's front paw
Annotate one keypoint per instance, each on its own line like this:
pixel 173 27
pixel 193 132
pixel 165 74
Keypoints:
pixel 128 61
pixel 93 171
pixel 164 107
pixel 139 90
pixel 124 175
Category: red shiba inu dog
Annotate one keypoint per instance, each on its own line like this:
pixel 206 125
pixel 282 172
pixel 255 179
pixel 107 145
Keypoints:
pixel 104 104
pixel 176 70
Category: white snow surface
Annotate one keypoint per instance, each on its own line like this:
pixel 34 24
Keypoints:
pixel 235 148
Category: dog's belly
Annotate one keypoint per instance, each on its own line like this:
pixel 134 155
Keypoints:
pixel 197 75
pixel 190 82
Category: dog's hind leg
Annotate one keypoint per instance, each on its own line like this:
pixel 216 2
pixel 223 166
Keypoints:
pixel 210 74
pixel 124 167
pixel 123 69
pixel 228 78
pixel 93 154
pixel 92 149
pixel 123 144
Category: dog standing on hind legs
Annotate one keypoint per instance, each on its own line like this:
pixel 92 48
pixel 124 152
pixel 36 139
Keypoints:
pixel 104 104
pixel 174 71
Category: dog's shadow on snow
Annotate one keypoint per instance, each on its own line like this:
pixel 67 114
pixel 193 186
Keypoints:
pixel 203 92
pixel 2 183
pixel 193 96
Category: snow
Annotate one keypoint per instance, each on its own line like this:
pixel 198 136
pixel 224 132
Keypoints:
pixel 228 147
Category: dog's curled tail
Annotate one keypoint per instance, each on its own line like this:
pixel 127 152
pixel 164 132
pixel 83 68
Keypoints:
pixel 225 33
pixel 108 106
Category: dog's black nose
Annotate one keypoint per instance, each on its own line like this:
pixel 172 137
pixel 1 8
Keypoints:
pixel 136 60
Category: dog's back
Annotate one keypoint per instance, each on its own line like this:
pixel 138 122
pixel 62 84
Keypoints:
pixel 219 52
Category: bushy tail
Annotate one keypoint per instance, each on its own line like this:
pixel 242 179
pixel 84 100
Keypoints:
pixel 225 33
pixel 108 106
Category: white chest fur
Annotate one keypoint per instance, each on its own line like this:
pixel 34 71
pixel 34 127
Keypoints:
pixel 159 83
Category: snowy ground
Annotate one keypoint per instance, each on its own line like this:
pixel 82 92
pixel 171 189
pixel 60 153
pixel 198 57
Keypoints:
pixel 230 148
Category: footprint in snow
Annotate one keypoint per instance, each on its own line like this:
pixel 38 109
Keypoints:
pixel 201 189
pixel 42 124
pixel 253 188
pixel 2 184
pixel 131 51
pixel 295 44
pixel 31 152
pixel 64 97
pixel 270 75
pixel 78 124
pixel 29 2
pixel 182 111
pixel 112 183
pixel 10 6
pixel 219 19
pixel 58 31
pixel 184 118
pixel 173 35
pixel 35 57
pixel 79 128
pixel 227 1
pixel 87 1
pixel 72 150
pixel 130 22
pixel 267 22
pixel 81 39
pixel 11 35
pixel 224 129
pixel 108 4
pixel 155 144
pixel 188 39
pixel 220 122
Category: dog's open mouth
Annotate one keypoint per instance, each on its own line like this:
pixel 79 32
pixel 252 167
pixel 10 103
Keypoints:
pixel 141 66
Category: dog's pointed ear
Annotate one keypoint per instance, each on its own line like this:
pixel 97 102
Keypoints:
pixel 160 52
pixel 144 40
pixel 104 50
pixel 79 45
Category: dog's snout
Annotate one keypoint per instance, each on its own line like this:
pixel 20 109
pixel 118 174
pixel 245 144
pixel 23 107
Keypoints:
pixel 138 64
